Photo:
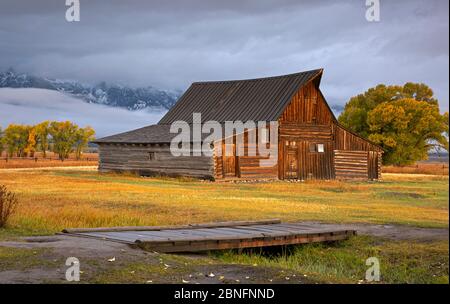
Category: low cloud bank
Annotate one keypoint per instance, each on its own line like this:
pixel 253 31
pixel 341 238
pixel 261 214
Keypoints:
pixel 31 106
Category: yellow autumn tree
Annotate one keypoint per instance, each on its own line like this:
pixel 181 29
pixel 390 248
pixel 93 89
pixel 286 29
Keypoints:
pixel 404 120
pixel 31 142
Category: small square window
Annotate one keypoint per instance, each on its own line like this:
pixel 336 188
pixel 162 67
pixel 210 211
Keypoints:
pixel 320 148
pixel 151 155
pixel 312 148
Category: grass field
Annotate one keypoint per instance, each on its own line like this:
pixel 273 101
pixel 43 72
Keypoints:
pixel 51 160
pixel 53 199
pixel 344 262
pixel 433 168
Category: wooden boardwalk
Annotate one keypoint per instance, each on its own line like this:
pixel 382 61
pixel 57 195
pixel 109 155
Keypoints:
pixel 214 236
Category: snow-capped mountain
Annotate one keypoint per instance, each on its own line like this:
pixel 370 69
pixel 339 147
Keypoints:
pixel 103 93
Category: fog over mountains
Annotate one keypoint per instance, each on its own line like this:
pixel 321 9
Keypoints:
pixel 109 108
pixel 31 106
pixel 113 95
pixel 105 94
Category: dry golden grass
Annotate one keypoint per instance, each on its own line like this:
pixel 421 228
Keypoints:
pixel 419 168
pixel 51 160
pixel 55 199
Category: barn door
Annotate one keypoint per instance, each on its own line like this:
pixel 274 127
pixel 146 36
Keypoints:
pixel 291 164
pixel 372 165
pixel 229 162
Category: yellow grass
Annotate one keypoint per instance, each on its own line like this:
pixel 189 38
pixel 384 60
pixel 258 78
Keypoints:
pixel 55 199
pixel 51 160
pixel 419 168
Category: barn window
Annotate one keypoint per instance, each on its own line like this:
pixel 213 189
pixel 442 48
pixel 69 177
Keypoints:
pixel 151 155
pixel 320 148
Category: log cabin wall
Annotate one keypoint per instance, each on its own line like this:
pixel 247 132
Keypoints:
pixel 152 159
pixel 347 146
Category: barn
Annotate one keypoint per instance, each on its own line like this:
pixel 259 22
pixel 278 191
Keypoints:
pixel 310 142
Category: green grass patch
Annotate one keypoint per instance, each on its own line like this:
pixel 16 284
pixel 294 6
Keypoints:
pixel 344 262
pixel 12 258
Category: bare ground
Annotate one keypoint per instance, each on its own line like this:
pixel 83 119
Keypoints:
pixel 104 261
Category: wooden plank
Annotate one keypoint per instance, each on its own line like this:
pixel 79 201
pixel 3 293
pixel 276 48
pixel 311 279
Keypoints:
pixel 271 229
pixel 211 237
pixel 310 233
pixel 238 232
pixel 190 226
pixel 194 246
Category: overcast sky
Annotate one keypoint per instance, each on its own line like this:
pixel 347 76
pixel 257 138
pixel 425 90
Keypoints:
pixel 169 44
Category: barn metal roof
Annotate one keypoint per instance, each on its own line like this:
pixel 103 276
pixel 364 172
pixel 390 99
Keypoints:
pixel 261 99
pixel 149 135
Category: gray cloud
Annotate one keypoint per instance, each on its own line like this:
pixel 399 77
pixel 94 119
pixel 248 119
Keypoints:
pixel 170 44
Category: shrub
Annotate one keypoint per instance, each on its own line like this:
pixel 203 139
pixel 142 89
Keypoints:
pixel 8 204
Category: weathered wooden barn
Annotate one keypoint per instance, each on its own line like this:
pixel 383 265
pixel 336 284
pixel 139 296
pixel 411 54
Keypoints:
pixel 311 142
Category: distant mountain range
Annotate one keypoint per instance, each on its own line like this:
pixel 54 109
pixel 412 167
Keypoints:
pixel 103 93
pixel 106 94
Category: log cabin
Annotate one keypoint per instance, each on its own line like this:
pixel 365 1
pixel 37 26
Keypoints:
pixel 311 143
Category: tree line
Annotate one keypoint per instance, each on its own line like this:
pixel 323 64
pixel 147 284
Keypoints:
pixel 404 120
pixel 61 137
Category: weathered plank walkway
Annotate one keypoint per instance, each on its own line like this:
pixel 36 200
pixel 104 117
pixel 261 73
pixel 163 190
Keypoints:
pixel 214 236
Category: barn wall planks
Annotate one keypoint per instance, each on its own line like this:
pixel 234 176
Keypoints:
pixel 247 166
pixel 153 160
pixel 306 123
pixel 351 164
pixel 345 140
pixel 307 107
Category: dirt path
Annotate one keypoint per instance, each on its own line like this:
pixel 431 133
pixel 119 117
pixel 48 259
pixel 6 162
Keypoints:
pixel 108 262
pixel 394 232
pixel 104 259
